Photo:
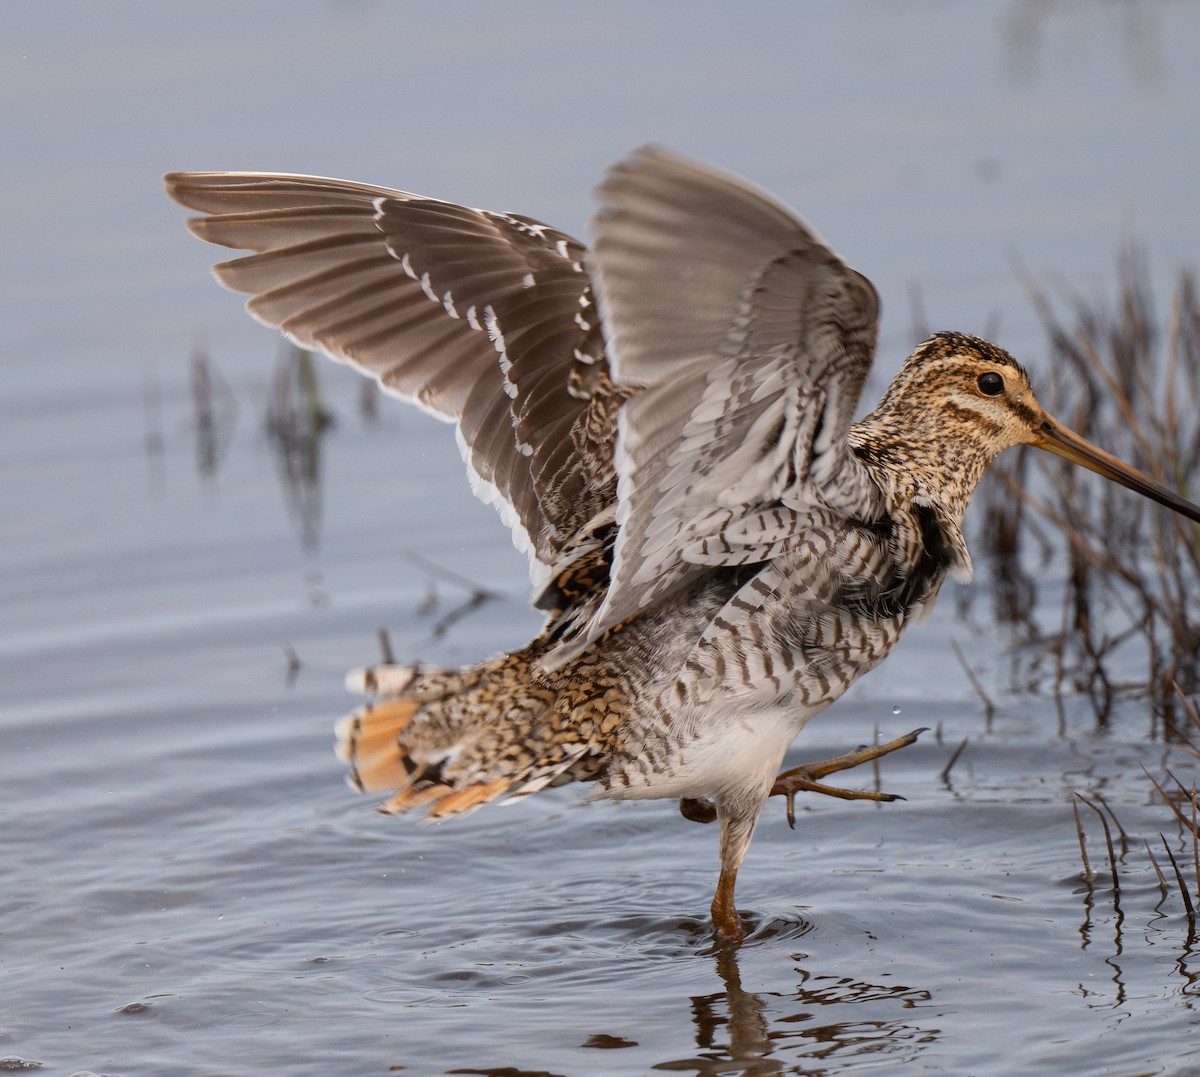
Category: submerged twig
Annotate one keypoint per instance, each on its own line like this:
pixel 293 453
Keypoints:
pixel 953 759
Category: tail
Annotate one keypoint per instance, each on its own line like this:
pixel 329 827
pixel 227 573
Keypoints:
pixel 451 740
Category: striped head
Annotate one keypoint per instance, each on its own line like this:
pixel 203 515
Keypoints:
pixel 957 402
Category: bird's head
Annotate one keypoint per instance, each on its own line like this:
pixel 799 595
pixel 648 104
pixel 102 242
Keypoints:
pixel 958 401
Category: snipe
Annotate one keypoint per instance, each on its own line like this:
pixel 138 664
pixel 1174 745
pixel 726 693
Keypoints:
pixel 665 422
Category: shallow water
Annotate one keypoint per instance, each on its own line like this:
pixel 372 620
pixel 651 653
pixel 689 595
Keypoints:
pixel 189 887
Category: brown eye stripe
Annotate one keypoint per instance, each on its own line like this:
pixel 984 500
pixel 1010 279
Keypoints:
pixel 1025 413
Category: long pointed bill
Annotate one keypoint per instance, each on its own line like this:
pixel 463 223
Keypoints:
pixel 1052 436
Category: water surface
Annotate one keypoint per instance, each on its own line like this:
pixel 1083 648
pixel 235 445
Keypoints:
pixel 188 886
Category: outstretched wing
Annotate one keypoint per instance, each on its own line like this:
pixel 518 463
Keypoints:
pixel 738 345
pixel 483 319
pixel 743 342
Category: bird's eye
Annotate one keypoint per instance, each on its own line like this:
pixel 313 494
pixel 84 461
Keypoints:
pixel 990 383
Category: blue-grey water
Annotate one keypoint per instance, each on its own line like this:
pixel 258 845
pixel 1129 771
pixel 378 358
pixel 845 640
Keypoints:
pixel 187 886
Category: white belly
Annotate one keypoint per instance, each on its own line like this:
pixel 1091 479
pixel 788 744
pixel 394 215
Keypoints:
pixel 725 753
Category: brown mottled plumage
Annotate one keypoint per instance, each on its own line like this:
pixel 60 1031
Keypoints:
pixel 665 421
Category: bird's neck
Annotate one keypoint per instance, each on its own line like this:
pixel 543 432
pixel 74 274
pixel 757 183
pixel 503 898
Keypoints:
pixel 913 462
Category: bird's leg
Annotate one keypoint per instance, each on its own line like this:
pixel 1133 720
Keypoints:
pixel 727 925
pixel 736 830
pixel 804 777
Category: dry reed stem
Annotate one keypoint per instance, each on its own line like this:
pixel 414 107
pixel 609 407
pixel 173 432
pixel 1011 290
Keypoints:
pixel 1195 842
pixel 1183 890
pixel 1133 570
pixel 1087 867
pixel 1112 857
pixel 1190 798
pixel 989 707
pixel 385 647
pixel 1162 879
pixel 1189 708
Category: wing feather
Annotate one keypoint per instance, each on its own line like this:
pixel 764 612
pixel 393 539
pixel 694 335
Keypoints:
pixel 690 380
pixel 472 315
pixel 744 342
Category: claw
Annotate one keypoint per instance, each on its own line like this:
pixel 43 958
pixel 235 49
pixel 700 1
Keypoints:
pixel 804 777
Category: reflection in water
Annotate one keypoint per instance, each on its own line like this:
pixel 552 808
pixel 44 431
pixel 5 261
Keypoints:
pixel 1085 929
pixel 1159 927
pixel 368 399
pixel 296 420
pixel 214 413
pixel 1027 22
pixel 828 1022
pixel 767 1032
pixel 500 1071
pixel 156 440
pixel 1187 965
pixel 742 1013
pixel 477 595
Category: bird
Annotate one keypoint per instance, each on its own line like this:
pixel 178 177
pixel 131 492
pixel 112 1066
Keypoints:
pixel 666 421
